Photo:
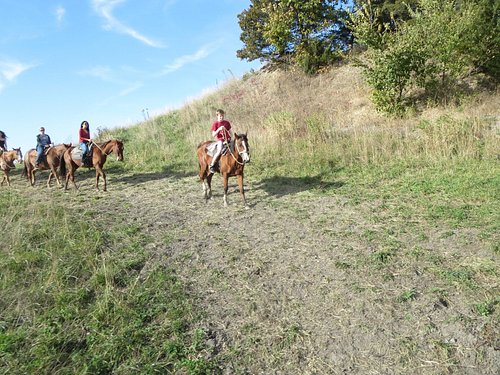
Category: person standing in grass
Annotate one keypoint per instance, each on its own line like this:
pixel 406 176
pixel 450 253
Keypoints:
pixel 42 142
pixel 84 139
pixel 221 131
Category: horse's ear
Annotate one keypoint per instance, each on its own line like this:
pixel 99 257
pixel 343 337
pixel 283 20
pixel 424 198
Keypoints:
pixel 236 135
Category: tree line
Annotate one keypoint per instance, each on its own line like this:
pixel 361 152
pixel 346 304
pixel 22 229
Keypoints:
pixel 411 49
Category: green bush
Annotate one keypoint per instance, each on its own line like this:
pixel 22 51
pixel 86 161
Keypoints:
pixel 432 53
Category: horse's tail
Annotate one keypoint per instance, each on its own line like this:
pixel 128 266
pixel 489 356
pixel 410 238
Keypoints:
pixel 62 166
pixel 25 169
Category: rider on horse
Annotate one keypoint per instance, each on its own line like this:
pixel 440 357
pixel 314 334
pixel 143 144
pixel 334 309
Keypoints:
pixel 42 142
pixel 84 140
pixel 221 130
pixel 3 142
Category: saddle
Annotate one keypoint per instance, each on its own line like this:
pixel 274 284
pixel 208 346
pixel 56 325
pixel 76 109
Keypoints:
pixel 212 148
pixel 77 154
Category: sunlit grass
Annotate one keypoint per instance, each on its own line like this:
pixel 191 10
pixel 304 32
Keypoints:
pixel 73 297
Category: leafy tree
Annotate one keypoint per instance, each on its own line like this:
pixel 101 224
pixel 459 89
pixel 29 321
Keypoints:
pixel 252 21
pixel 388 12
pixel 444 41
pixel 376 19
pixel 310 33
pixel 482 45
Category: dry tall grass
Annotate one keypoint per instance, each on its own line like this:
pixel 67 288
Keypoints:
pixel 300 124
pixel 330 116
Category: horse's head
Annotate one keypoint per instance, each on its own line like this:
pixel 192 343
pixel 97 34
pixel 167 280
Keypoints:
pixel 241 145
pixel 118 149
pixel 19 154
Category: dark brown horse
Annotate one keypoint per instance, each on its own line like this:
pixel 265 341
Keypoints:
pixel 7 162
pixel 230 164
pixel 100 152
pixel 52 160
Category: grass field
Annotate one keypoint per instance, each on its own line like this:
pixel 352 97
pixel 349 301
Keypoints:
pixel 371 245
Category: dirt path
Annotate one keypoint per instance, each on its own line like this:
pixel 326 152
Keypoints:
pixel 305 283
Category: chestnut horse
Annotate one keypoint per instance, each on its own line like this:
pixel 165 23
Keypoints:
pixel 7 162
pixel 100 152
pixel 230 164
pixel 52 160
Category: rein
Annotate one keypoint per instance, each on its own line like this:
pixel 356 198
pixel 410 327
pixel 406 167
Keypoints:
pixel 105 153
pixel 229 148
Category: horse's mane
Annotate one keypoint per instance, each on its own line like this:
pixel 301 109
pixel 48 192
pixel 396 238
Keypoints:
pixel 103 144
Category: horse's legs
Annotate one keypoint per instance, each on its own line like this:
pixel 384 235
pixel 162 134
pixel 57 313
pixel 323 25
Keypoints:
pixel 99 172
pixel 55 175
pixel 70 175
pixel 52 173
pixel 204 185
pixel 225 178
pixel 66 180
pixel 242 190
pixel 32 177
pixel 58 179
pixel 73 179
pixel 209 185
pixel 205 177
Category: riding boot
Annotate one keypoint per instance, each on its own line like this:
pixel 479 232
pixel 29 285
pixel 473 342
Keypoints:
pixel 213 166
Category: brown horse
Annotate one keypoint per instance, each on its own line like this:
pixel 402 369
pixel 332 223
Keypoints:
pixel 100 152
pixel 52 161
pixel 7 162
pixel 231 164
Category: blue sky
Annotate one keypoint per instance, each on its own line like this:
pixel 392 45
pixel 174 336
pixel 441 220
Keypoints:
pixel 107 61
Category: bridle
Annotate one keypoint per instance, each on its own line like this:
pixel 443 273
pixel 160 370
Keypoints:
pixel 245 150
pixel 18 158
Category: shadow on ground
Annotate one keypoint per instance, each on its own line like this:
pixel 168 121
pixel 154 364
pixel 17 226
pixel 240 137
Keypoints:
pixel 139 178
pixel 279 186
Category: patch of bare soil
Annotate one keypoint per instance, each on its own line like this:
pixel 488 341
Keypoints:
pixel 304 283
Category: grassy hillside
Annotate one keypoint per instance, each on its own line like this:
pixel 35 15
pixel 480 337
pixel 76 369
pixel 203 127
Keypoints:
pixel 441 163
pixel 402 213
pixel 323 119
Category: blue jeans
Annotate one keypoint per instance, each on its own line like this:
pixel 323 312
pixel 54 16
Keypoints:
pixel 85 148
pixel 39 153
